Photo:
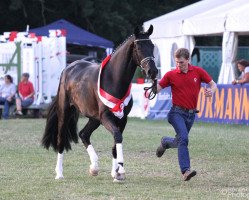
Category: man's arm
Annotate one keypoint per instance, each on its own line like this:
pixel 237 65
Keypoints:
pixel 212 88
pixel 159 88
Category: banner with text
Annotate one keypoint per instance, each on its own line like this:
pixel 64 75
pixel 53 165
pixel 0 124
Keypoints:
pixel 160 107
pixel 230 104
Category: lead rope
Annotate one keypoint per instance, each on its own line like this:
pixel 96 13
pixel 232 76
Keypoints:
pixel 150 92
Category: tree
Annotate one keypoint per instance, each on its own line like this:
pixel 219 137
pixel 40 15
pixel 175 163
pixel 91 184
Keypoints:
pixel 114 20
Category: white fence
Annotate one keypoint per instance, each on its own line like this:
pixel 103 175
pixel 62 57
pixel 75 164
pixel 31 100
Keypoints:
pixel 42 57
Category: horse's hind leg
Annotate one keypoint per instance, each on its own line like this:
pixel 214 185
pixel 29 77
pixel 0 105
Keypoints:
pixel 85 135
pixel 65 125
pixel 60 155
pixel 59 166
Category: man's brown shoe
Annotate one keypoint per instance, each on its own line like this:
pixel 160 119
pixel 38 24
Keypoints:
pixel 188 175
pixel 160 150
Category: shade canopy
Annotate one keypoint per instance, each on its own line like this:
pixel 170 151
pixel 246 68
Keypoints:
pixel 74 34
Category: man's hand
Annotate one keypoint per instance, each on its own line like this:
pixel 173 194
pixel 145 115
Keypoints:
pixel 208 92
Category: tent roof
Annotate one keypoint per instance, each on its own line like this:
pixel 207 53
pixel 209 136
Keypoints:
pixel 214 21
pixel 75 34
pixel 237 19
pixel 170 24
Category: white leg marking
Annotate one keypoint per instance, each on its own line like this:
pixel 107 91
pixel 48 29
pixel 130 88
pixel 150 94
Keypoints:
pixel 59 166
pixel 94 168
pixel 120 171
pixel 120 158
pixel 114 167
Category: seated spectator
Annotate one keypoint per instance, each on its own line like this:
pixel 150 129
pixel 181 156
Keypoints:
pixel 25 94
pixel 7 95
pixel 243 67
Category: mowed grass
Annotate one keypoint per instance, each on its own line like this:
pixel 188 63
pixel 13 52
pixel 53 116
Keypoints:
pixel 219 153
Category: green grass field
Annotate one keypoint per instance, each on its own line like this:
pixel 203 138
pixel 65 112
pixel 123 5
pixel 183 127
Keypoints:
pixel 219 153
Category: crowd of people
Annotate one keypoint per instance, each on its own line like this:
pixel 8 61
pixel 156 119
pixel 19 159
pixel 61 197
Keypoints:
pixel 9 95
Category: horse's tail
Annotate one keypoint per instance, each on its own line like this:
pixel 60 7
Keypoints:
pixel 61 127
pixel 51 130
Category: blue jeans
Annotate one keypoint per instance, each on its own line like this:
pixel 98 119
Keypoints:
pixel 27 102
pixel 182 122
pixel 7 104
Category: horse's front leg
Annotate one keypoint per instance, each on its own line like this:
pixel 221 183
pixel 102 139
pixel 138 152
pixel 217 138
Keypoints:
pixel 111 124
pixel 121 124
pixel 118 171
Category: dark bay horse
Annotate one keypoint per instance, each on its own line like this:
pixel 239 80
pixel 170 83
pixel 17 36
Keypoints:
pixel 102 94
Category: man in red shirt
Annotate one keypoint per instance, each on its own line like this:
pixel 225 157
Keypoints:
pixel 26 94
pixel 185 82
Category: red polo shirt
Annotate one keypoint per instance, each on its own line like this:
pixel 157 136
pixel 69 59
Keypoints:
pixel 25 89
pixel 185 87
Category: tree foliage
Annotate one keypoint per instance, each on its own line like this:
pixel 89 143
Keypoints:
pixel 112 19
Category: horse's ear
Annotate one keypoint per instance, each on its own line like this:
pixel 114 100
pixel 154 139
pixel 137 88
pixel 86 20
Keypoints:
pixel 136 31
pixel 150 31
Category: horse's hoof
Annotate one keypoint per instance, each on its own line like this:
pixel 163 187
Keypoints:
pixel 59 177
pixel 119 178
pixel 113 174
pixel 93 172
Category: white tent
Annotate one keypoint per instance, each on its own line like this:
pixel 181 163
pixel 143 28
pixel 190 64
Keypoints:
pixel 227 20
pixel 237 19
pixel 207 17
pixel 212 21
pixel 168 35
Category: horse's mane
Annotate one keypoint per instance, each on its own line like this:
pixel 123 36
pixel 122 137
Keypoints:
pixel 119 46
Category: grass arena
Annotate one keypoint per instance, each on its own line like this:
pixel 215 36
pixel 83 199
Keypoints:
pixel 219 153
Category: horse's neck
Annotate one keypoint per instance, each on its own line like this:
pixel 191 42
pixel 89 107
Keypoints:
pixel 120 70
pixel 123 65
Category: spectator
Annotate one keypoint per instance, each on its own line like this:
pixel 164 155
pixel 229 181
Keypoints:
pixel 7 95
pixel 243 67
pixel 26 94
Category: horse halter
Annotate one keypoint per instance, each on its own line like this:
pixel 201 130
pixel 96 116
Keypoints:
pixel 146 59
pixel 149 92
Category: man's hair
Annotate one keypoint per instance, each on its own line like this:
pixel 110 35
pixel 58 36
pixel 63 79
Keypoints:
pixel 243 62
pixel 182 52
pixel 25 75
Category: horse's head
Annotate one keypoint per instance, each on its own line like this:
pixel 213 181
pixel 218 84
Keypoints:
pixel 143 52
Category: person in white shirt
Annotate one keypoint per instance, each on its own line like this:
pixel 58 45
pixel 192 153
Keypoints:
pixel 7 95
pixel 243 66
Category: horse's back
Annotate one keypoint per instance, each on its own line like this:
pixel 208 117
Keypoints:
pixel 81 79
pixel 81 71
pixel 82 67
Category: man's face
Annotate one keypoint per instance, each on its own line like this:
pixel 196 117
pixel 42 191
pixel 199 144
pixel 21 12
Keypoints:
pixel 182 64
